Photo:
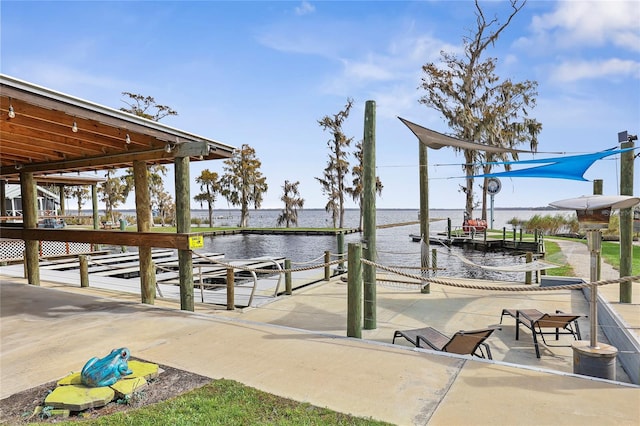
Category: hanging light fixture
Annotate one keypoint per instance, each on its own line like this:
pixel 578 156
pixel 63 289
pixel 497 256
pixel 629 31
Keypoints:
pixel 168 148
pixel 11 113
pixel 127 139
pixel 74 128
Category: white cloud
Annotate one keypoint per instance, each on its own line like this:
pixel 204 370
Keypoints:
pixel 305 8
pixel 368 70
pixel 591 23
pixel 579 70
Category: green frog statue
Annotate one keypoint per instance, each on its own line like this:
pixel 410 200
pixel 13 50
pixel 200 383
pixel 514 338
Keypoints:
pixel 106 371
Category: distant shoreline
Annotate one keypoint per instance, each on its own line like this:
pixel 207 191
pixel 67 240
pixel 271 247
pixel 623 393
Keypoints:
pixel 215 209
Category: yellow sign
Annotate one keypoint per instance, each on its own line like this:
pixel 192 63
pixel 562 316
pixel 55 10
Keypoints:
pixel 196 242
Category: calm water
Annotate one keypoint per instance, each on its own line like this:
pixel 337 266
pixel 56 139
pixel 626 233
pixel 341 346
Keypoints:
pixel 394 245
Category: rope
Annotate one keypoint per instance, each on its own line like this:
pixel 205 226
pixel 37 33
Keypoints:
pixel 422 279
pixel 501 288
pixel 318 258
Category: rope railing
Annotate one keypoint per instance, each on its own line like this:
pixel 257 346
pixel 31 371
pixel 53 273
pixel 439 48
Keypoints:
pixel 442 281
pixel 451 283
pixel 320 257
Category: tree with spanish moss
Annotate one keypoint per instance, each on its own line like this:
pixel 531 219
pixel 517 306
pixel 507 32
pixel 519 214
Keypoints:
pixel 243 183
pixel 356 190
pixel 292 202
pixel 477 105
pixel 147 107
pixel 80 193
pixel 210 188
pixel 112 194
pixel 337 169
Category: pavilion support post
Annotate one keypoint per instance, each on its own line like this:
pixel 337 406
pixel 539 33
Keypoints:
pixel 62 208
pixel 183 224
pixel 30 221
pixel 3 195
pixel 143 208
pixel 369 214
pixel 94 204
pixel 626 222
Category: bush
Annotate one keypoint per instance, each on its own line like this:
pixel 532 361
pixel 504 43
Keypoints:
pixel 550 224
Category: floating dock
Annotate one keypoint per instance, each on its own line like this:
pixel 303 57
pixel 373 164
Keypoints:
pixel 482 243
pixel 121 272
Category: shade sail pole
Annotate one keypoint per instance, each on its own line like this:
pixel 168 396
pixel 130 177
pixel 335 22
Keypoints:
pixel 369 214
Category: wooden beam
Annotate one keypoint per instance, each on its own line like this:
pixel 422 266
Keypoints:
pixel 92 162
pixel 117 238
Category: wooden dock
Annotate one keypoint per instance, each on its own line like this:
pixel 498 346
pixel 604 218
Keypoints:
pixel 121 272
pixel 279 231
pixel 483 243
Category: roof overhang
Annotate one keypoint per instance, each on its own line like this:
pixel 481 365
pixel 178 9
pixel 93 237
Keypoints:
pixel 41 137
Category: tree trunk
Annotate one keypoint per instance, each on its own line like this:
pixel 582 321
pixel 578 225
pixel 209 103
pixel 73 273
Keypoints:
pixel 244 213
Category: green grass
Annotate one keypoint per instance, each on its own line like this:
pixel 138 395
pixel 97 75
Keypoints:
pixel 553 254
pixel 226 402
pixel 610 253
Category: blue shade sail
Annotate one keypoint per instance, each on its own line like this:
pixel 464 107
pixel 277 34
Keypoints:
pixel 570 167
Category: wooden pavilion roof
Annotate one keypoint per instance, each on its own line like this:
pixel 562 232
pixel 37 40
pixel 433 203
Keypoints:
pixel 48 132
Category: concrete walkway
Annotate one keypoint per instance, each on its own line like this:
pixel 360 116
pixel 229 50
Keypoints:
pixel 296 347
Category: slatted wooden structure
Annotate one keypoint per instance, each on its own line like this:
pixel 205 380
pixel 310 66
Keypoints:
pixel 44 132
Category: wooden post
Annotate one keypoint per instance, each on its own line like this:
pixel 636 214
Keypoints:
pixel 3 195
pixel 369 213
pixel 341 251
pixel 527 275
pixel 597 187
pixel 626 222
pixel 24 264
pixel 94 203
pixel 424 214
pixel 327 267
pixel 354 291
pixel 84 270
pixel 143 208
pixel 62 209
pixel 30 221
pixel 434 260
pixel 231 303
pixel 183 225
pixel 449 228
pixel 287 277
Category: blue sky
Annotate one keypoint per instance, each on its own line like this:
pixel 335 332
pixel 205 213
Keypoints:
pixel 263 73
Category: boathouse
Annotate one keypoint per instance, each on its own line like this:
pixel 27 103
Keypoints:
pixel 45 133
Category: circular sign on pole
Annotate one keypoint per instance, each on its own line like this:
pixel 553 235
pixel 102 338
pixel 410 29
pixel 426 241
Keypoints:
pixel 493 186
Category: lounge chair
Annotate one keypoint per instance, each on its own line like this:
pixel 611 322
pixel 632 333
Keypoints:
pixel 464 342
pixel 535 321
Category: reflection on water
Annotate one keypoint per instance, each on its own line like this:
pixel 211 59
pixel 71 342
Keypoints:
pixel 394 246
